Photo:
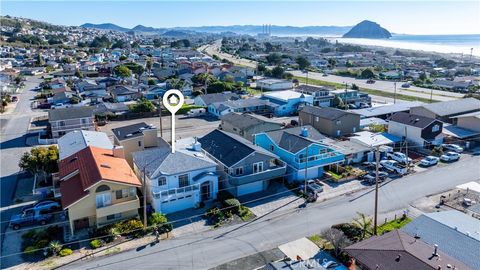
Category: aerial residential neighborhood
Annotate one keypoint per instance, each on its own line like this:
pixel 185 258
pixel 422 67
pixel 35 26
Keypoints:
pixel 282 147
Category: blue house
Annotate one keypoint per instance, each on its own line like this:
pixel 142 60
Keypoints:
pixel 288 101
pixel 291 146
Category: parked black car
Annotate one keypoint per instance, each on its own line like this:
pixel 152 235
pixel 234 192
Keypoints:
pixel 370 177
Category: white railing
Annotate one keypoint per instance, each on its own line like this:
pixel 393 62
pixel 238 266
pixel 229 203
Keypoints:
pixel 173 193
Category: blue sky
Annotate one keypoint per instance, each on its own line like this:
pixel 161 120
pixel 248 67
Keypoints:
pixel 410 17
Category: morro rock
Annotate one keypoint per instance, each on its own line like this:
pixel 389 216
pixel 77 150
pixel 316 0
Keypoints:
pixel 368 29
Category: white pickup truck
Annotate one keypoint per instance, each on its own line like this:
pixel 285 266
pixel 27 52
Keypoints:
pixel 394 166
pixel 400 157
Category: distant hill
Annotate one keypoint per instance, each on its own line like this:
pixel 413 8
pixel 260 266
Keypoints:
pixel 237 29
pixel 105 26
pixel 368 29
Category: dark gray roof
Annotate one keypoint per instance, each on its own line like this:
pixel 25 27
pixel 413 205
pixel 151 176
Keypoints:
pixel 70 113
pixel 411 119
pixel 455 233
pixel 240 103
pixel 312 89
pixel 291 139
pixel 452 107
pixel 123 90
pixel 325 112
pixel 244 121
pixel 107 107
pixel 161 161
pixel 132 131
pixel 397 250
pixel 218 97
pixel 229 148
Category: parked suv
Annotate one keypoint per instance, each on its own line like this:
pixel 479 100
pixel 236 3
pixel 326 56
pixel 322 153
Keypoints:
pixel 453 147
pixel 450 156
pixel 29 217
pixel 43 206
pixel 400 157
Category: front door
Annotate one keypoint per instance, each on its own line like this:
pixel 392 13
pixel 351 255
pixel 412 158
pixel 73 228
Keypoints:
pixel 205 191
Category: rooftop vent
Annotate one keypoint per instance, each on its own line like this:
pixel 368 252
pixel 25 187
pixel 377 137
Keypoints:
pixel 129 135
pixel 304 132
pixel 435 250
pixel 105 166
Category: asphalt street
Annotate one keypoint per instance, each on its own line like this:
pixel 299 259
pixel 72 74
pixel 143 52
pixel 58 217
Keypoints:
pixel 12 146
pixel 207 249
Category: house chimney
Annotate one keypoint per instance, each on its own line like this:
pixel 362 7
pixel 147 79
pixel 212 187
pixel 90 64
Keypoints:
pixel 118 152
pixel 304 132
pixel 435 250
pixel 197 146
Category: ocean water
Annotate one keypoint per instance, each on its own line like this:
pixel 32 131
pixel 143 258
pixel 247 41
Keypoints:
pixel 459 44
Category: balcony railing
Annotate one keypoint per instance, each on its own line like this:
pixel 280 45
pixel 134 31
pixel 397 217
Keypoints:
pixel 260 176
pixel 324 156
pixel 118 207
pixel 173 193
pixel 75 126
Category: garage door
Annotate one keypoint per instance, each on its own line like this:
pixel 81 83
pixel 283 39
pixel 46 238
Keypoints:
pixel 177 205
pixel 250 188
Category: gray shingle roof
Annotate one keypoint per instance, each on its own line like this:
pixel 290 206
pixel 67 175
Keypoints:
pixel 70 113
pixel 411 119
pixel 229 148
pixel 161 161
pixel 291 140
pixel 244 121
pixel 218 97
pixel 454 106
pixel 240 103
pixel 325 113
pixel 131 131
pixel 455 233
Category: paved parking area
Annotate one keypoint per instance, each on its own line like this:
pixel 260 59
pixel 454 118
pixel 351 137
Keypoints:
pixel 185 126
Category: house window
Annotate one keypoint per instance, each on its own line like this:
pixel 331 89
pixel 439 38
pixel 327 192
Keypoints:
pixel 162 181
pixel 124 193
pixel 317 119
pixel 338 132
pixel 272 162
pixel 239 171
pixel 354 129
pixel 114 216
pixel 61 123
pixel 338 122
pixel 139 143
pixel 183 180
pixel 104 199
pixel 258 167
pixel 435 128
pixel 84 121
pixel 272 147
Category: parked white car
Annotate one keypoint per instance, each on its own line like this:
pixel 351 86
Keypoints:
pixel 450 156
pixel 400 157
pixel 429 161
pixel 453 147
pixel 394 166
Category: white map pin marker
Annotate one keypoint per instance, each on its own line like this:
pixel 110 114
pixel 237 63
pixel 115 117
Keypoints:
pixel 173 101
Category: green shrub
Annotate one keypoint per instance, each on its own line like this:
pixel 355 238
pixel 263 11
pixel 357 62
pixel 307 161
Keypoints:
pixel 28 234
pixel 55 247
pixel 157 218
pixel 65 252
pixel 96 243
pixel 232 205
pixel 42 243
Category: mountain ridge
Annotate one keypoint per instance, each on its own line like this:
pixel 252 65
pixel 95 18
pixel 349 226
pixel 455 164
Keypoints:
pixel 368 29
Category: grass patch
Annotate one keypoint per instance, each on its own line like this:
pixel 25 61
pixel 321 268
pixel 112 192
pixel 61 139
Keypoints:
pixel 253 91
pixel 365 90
pixel 245 214
pixel 334 175
pixel 186 108
pixel 112 250
pixel 393 225
pixel 48 263
pixel 319 241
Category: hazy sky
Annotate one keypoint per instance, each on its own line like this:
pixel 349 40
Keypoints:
pixel 410 17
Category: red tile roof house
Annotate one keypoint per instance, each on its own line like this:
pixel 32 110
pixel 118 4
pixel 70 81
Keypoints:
pixel 97 187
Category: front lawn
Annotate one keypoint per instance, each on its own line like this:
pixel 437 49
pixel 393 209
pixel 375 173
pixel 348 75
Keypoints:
pixel 393 225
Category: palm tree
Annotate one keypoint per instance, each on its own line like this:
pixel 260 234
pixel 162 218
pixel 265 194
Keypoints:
pixel 364 223
pixel 55 247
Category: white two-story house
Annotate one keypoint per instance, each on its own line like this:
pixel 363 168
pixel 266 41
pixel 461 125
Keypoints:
pixel 62 121
pixel 176 181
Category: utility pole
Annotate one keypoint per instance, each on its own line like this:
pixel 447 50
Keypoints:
pixel 346 92
pixel 375 216
pixel 395 92
pixel 431 95
pixel 307 77
pixel 306 167
pixel 144 198
pixel 161 125
pixel 406 150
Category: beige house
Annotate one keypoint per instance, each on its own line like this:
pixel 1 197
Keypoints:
pixel 246 125
pixel 330 121
pixel 97 188
pixel 135 138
